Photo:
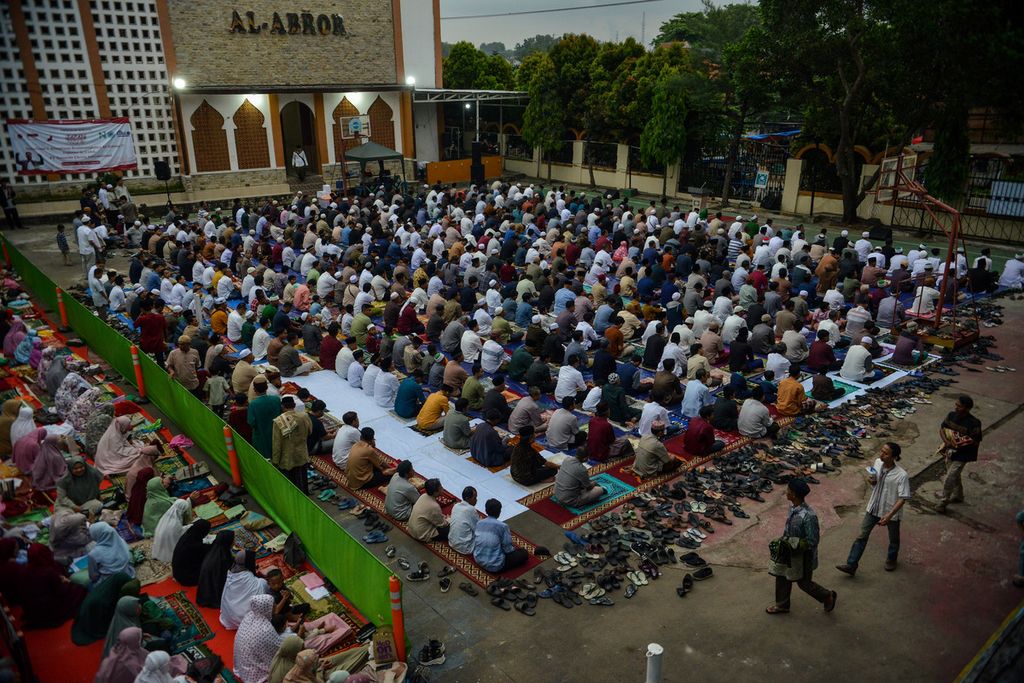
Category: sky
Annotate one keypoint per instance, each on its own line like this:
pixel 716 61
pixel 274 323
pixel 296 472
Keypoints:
pixel 607 23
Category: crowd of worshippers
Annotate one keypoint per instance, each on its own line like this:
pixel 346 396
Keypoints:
pixel 415 299
pixel 88 437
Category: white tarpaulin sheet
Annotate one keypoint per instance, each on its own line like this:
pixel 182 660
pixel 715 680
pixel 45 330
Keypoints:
pixel 79 146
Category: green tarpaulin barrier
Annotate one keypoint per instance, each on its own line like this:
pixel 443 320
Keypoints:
pixel 356 572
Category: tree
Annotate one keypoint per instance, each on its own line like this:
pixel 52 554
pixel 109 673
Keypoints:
pixel 544 118
pixel 749 85
pixel 708 32
pixel 572 57
pixel 839 57
pixel 664 137
pixel 524 72
pixel 496 48
pixel 467 68
pixel 529 46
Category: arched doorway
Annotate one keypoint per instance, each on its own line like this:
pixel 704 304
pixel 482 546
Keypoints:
pixel 298 130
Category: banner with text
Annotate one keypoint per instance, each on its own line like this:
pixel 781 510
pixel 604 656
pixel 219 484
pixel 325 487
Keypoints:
pixel 79 146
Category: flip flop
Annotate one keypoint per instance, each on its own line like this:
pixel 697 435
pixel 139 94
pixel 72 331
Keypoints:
pixel 446 584
pixel 501 603
pixel 703 574
pixel 403 563
pixel 390 552
pixel 469 589
pixel 521 606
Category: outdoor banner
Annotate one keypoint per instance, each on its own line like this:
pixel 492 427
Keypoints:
pixel 72 146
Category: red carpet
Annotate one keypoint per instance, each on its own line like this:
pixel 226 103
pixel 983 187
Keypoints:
pixel 55 659
pixel 374 498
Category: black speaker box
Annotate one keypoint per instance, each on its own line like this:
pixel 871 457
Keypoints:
pixel 163 169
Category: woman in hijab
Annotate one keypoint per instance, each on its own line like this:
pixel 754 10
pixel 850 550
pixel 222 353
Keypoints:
pixel 170 529
pixel 80 487
pixel 239 588
pixel 305 669
pixel 46 357
pixel 48 599
pixel 96 425
pixel 189 553
pixel 126 615
pixel 214 571
pixel 156 669
pixel 84 407
pixel 70 389
pixel 23 424
pixel 158 501
pixel 36 355
pixel 56 372
pixel 24 349
pixel 69 535
pixel 137 496
pixel 117 451
pixel 284 660
pixel 14 336
pixel 256 642
pixel 110 555
pixel 125 660
pixel 26 449
pixel 8 414
pixel 50 465
pixel 97 610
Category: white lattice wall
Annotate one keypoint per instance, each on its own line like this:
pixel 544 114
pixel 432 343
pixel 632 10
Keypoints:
pixel 131 52
pixel 14 99
pixel 55 31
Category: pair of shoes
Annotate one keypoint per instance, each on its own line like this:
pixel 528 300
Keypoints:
pixel 422 573
pixel 432 654
pixel 847 569
pixel 375 536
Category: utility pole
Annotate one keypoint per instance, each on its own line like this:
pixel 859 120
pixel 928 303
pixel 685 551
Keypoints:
pixel 643 29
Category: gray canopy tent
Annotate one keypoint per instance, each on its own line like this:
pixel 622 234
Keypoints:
pixel 370 151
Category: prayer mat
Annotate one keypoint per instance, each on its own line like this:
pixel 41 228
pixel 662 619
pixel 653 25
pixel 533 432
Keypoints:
pixel 460 451
pixel 195 653
pixel 178 489
pixel 613 487
pixel 247 539
pixel 131 533
pixel 495 469
pixel 425 432
pixel 327 605
pixel 676 448
pixel 374 499
pixel 148 570
pixel 908 368
pixel 189 628
pixel 274 561
pixel 846 388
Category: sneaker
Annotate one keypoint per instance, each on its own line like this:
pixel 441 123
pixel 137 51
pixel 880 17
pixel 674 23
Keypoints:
pixel 418 575
pixel 848 569
pixel 446 584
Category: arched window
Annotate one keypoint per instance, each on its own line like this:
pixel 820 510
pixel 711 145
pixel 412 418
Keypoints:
pixel 344 109
pixel 382 129
pixel 209 139
pixel 250 137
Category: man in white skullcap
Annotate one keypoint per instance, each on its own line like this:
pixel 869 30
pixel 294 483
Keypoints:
pixel 863 247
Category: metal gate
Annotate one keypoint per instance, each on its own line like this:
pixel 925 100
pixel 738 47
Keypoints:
pixel 992 207
pixel 755 161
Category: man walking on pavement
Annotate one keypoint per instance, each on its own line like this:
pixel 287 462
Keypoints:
pixel 961 433
pixel 802 523
pixel 890 492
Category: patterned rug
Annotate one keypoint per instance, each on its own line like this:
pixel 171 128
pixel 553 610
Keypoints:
pixel 614 488
pixel 148 570
pixel 246 539
pixel 190 628
pixel 196 653
pixel 374 498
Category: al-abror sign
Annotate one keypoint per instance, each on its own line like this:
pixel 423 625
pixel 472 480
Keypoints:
pixel 293 23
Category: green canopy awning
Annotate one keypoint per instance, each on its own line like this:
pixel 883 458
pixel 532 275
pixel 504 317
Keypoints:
pixel 371 151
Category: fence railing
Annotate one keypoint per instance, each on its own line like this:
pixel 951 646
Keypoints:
pixel 516 148
pixel 357 573
pixel 600 154
pixel 637 165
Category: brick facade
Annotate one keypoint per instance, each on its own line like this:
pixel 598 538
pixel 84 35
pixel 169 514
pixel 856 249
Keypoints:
pixel 233 179
pixel 209 53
